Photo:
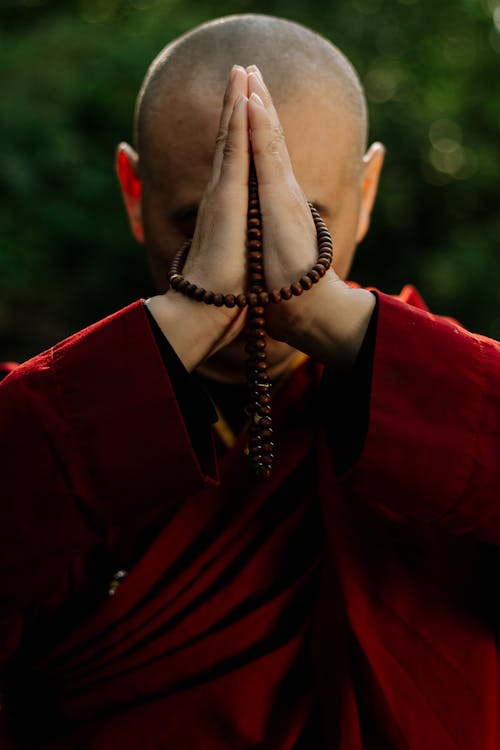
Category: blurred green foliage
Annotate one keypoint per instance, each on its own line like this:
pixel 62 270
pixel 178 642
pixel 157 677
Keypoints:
pixel 71 71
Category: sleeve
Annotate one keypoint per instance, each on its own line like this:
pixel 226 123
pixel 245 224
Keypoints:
pixel 6 368
pixel 432 447
pixel 347 420
pixel 194 402
pixel 91 434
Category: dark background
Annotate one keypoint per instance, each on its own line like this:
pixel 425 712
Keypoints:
pixel 70 73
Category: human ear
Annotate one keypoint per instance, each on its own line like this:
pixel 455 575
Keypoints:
pixel 127 169
pixel 372 166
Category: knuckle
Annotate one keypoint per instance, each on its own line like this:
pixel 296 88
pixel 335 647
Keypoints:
pixel 221 137
pixel 276 140
pixel 230 149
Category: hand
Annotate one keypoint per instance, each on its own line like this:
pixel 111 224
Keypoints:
pixel 329 321
pixel 216 260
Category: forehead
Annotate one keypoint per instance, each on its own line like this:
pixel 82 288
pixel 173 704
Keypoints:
pixel 318 136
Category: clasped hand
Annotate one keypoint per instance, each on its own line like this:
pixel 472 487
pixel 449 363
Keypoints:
pixel 217 260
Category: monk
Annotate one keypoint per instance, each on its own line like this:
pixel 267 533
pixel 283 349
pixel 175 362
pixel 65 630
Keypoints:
pixel 154 593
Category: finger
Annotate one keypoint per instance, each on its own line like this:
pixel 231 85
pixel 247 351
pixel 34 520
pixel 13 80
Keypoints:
pixel 236 151
pixel 271 157
pixel 236 86
pixel 256 83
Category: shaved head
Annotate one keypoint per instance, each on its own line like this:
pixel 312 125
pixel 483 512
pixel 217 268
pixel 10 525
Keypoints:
pixel 321 109
pixel 294 61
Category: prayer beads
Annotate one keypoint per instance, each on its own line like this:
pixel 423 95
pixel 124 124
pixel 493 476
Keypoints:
pixel 260 430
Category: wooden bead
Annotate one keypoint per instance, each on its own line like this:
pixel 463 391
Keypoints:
pixel 190 290
pixel 218 300
pixel 314 276
pixel 258 310
pixel 263 298
pixel 255 267
pixel 263 411
pixel 255 256
pixel 241 300
pixel 305 282
pixel 319 269
pixel 252 299
pixel 252 368
pixel 175 282
pixel 296 289
pixel 254 246
pixel 257 322
pixel 229 300
pixel 255 443
pixel 208 298
pixel 199 294
pixel 261 471
pixel 274 296
pixel 257 333
pixel 183 285
pixel 285 292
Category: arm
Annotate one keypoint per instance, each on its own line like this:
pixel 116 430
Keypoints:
pixel 432 450
pixel 91 436
pixel 433 442
pixel 96 415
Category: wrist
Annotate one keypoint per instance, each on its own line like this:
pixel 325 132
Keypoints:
pixel 332 324
pixel 191 329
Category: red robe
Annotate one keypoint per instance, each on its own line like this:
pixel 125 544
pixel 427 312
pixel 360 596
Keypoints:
pixel 372 594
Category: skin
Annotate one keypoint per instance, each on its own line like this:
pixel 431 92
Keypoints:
pixel 300 154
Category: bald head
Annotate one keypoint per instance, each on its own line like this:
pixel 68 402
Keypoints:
pixel 295 62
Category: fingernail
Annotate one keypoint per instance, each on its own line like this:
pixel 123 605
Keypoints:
pixel 239 100
pixel 235 69
pixel 254 69
pixel 256 98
